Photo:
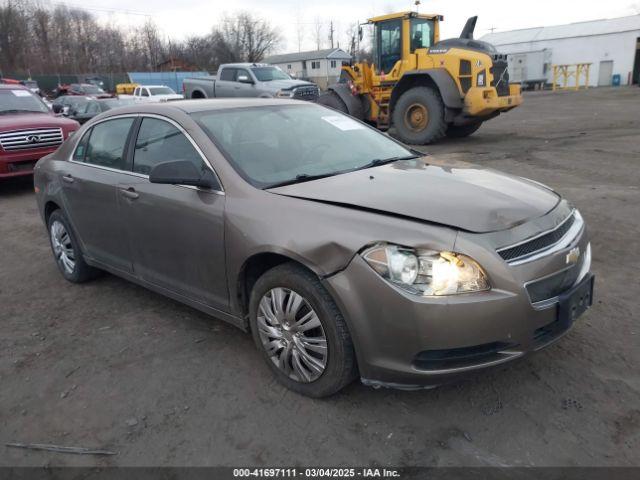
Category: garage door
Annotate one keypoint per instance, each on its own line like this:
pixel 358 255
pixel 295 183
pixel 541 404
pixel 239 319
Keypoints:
pixel 605 74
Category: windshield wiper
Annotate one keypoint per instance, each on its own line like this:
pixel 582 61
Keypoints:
pixel 15 110
pixel 383 161
pixel 303 177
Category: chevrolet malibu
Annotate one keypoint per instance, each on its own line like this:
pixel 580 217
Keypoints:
pixel 344 253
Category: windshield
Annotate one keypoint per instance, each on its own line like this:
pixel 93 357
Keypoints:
pixel 117 102
pixel 161 91
pixel 16 101
pixel 91 89
pixel 267 74
pixel 284 144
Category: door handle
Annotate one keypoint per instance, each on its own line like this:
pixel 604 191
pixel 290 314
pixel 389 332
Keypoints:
pixel 129 193
pixel 67 178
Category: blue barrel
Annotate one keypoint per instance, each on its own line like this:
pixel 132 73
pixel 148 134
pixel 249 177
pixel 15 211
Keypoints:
pixel 617 79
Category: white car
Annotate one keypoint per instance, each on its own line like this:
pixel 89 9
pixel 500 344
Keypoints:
pixel 153 93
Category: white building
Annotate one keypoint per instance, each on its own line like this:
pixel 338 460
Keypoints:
pixel 611 46
pixel 319 66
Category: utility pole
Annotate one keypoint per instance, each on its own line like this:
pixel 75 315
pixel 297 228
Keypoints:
pixel 331 33
pixel 492 29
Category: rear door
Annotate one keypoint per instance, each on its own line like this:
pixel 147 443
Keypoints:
pixel 89 182
pixel 226 83
pixel 176 232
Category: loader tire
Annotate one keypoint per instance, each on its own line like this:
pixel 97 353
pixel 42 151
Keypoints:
pixel 332 100
pixel 460 131
pixel 418 116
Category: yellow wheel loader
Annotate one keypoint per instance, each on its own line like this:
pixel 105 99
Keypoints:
pixel 423 87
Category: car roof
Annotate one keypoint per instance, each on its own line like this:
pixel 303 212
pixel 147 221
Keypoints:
pixel 154 86
pixel 193 106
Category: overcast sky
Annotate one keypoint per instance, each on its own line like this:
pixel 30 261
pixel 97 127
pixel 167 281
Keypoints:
pixel 181 18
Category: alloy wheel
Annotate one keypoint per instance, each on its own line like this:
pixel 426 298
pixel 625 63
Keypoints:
pixel 292 335
pixel 62 247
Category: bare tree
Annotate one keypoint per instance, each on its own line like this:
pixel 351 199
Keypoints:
pixel 317 31
pixel 37 38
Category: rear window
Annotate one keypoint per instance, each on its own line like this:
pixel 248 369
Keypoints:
pixel 106 144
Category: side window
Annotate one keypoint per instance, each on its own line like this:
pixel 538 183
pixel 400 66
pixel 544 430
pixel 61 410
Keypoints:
pixel 144 92
pixel 242 72
pixel 106 146
pixel 136 91
pixel 228 74
pixel 81 148
pixel 421 33
pixel 159 141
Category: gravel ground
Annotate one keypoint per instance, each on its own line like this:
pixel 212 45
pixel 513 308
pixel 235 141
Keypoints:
pixel 111 365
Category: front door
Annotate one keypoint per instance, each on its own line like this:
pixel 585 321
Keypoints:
pixel 176 233
pixel 89 184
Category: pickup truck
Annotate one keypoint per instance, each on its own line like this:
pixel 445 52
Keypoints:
pixel 28 130
pixel 249 80
pixel 153 93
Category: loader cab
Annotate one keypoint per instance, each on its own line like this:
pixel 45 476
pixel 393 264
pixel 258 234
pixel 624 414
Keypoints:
pixel 399 35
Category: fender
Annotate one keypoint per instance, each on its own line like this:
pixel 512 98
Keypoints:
pixel 446 85
pixel 354 104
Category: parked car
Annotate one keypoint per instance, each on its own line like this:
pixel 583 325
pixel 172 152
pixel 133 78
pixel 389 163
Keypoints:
pixel 66 103
pixel 82 89
pixel 343 252
pixel 249 80
pixel 28 130
pixel 153 93
pixel 84 111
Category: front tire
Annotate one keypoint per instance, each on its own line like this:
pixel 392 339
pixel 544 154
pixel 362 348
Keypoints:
pixel 66 250
pixel 461 131
pixel 300 332
pixel 418 116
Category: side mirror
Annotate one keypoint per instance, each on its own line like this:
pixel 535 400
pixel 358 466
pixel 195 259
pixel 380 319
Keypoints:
pixel 244 79
pixel 57 108
pixel 183 172
pixel 360 33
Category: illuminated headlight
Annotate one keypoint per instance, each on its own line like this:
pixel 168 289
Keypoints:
pixel 284 93
pixel 480 80
pixel 427 273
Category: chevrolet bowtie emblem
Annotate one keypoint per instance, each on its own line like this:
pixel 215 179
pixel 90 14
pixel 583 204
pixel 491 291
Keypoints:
pixel 573 255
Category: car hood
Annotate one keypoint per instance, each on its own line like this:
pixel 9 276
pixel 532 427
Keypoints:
pixel 288 84
pixel 20 121
pixel 455 194
pixel 169 96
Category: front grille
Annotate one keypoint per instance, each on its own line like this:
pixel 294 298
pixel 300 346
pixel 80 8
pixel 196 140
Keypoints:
pixel 29 139
pixel 306 93
pixel 552 286
pixel 461 357
pixel 465 67
pixel 500 75
pixel 537 244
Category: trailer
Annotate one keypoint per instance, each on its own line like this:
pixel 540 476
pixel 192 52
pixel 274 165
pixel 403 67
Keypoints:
pixel 530 69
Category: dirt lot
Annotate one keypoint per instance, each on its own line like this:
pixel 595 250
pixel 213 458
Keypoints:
pixel 108 364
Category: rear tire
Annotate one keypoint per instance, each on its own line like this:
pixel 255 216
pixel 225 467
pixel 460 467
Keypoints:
pixel 418 116
pixel 332 100
pixel 314 357
pixel 460 131
pixel 66 250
